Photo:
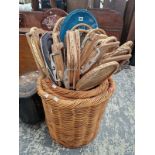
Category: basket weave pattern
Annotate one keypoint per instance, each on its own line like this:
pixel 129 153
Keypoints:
pixel 52 88
pixel 73 122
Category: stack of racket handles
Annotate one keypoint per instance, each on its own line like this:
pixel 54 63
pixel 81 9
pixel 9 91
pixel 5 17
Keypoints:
pixel 83 61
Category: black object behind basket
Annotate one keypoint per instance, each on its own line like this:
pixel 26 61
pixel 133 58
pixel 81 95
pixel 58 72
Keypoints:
pixel 30 109
pixel 30 105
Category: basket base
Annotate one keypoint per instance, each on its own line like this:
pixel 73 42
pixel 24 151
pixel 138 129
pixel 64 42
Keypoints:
pixel 73 145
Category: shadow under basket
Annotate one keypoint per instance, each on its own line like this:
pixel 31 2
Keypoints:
pixel 73 122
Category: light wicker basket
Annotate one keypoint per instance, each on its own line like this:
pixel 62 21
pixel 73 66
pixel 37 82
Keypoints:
pixel 52 88
pixel 73 117
pixel 73 122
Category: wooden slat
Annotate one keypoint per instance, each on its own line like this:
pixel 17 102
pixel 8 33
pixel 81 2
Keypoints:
pixel 95 76
pixel 32 18
pixel 35 5
pixel 118 5
pixel 131 34
pixel 97 4
pixel 129 18
pixel 35 18
pixel 109 20
pixel 129 27
pixel 76 4
pixel 53 3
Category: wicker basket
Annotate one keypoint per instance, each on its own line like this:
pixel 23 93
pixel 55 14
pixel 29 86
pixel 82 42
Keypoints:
pixel 52 88
pixel 73 122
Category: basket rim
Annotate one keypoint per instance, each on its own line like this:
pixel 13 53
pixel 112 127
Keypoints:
pixel 54 87
pixel 72 103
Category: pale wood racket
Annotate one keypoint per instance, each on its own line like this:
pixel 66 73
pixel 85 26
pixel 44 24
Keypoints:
pixel 33 38
pixel 77 52
pixel 90 47
pixel 57 49
pixel 98 50
pixel 125 48
pixel 97 75
pixel 69 71
pixel 72 72
pixel 118 58
pixel 92 31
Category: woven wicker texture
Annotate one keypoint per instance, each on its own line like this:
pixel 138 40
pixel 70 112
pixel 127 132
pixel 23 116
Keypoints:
pixel 74 123
pixel 95 76
pixel 51 87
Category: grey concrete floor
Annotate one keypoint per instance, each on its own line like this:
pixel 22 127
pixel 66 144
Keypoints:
pixel 117 130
